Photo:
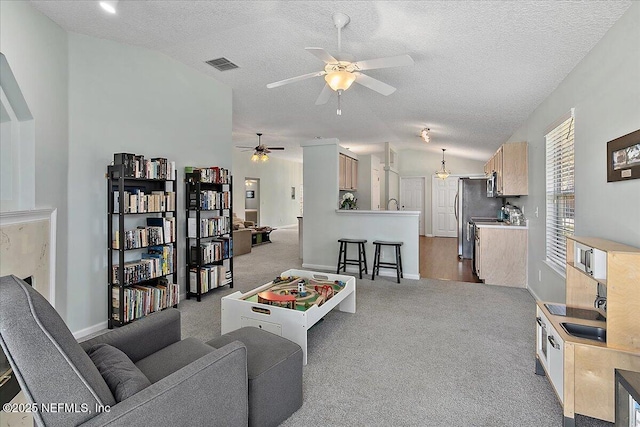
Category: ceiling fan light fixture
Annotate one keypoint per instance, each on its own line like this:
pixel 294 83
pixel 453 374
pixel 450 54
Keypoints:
pixel 255 157
pixel 264 157
pixel 443 173
pixel 340 80
pixel 109 6
pixel 425 134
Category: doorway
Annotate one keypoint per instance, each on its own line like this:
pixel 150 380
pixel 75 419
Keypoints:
pixel 443 202
pixel 252 200
pixel 412 197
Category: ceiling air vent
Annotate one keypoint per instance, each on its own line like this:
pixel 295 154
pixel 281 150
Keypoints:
pixel 222 64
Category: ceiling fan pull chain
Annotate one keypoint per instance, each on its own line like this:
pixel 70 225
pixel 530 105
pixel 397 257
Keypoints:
pixel 339 111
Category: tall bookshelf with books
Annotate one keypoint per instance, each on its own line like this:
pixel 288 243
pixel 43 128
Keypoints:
pixel 141 225
pixel 209 241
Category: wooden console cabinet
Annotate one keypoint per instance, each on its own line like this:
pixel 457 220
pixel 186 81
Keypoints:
pixel 587 384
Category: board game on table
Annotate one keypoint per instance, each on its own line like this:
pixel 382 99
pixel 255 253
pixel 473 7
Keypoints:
pixel 289 305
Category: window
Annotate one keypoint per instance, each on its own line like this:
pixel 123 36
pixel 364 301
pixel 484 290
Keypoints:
pixel 560 191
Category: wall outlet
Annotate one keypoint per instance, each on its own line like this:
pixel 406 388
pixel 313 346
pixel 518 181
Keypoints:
pixel 539 275
pixel 536 212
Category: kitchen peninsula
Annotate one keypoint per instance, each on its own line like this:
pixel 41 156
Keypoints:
pixel 324 224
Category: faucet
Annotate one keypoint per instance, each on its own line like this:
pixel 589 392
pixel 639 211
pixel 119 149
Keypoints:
pixel 393 200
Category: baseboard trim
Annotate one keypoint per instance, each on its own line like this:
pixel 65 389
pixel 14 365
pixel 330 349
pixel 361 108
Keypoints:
pixel 90 330
pixel 288 226
pixel 429 235
pixel 354 270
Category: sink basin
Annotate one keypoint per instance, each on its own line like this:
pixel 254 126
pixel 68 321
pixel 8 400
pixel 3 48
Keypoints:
pixel 583 331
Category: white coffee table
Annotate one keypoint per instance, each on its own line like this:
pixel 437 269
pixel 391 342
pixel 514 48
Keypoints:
pixel 240 310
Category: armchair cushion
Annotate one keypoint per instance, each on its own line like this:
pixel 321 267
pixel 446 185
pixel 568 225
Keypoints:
pixel 121 375
pixel 171 358
pixel 142 337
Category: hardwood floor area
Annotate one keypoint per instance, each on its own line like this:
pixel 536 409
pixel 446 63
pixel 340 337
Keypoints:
pixel 439 260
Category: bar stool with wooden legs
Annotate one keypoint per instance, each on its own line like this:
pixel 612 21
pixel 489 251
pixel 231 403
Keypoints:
pixel 376 259
pixel 361 262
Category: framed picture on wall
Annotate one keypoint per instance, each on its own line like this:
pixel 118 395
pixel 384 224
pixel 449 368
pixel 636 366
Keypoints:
pixel 250 194
pixel 623 157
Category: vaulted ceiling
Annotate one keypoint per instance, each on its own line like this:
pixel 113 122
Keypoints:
pixel 480 67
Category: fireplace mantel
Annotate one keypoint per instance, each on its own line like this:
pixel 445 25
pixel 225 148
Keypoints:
pixel 28 248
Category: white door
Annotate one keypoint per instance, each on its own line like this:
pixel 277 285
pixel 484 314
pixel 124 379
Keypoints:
pixel 412 197
pixel 375 190
pixel 443 195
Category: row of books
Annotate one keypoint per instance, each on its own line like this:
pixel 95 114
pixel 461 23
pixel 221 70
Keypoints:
pixel 159 261
pixel 136 166
pixel 213 174
pixel 157 232
pixel 210 199
pixel 137 201
pixel 212 251
pixel 209 227
pixel 211 277
pixel 140 300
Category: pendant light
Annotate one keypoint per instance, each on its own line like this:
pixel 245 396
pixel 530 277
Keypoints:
pixel 425 134
pixel 443 173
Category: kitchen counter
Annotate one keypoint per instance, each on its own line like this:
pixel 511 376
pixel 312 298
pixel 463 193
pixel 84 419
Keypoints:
pixel 502 225
pixel 363 212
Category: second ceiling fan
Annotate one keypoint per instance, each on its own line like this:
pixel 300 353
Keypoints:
pixel 261 151
pixel 339 75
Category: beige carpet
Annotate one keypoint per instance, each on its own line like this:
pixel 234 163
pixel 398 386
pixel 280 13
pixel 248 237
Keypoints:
pixel 419 353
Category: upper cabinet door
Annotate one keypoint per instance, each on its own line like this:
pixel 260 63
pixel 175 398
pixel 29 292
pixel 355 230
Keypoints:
pixel 342 179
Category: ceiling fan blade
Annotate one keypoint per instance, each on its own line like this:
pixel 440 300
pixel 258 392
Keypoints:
pixel 391 61
pixel 322 55
pixel 244 146
pixel 276 148
pixel 324 95
pixel 374 84
pixel 295 79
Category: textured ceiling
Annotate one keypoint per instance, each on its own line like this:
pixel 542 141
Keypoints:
pixel 480 67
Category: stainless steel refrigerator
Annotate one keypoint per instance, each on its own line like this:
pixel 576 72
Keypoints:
pixel 472 201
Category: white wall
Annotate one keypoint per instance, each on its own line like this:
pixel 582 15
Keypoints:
pixel 423 163
pixel 323 226
pixel 36 49
pixel 604 88
pixel 366 166
pixel 277 176
pixel 130 99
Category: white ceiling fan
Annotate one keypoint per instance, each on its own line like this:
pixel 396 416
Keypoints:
pixel 340 74
pixel 260 151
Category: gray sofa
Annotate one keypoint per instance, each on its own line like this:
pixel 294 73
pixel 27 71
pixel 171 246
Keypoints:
pixel 168 381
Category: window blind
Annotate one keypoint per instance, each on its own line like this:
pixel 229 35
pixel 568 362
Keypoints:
pixel 560 192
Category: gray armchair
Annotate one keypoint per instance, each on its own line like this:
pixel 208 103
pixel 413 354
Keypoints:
pixel 190 382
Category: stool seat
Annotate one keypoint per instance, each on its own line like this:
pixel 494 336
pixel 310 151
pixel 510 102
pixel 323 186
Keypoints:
pixel 353 240
pixel 361 262
pixel 377 263
pixel 382 242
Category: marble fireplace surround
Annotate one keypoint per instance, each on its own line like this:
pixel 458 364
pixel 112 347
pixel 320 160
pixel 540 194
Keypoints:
pixel 27 248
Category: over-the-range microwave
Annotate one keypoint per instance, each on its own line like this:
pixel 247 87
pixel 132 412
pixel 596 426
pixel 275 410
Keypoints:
pixel 491 185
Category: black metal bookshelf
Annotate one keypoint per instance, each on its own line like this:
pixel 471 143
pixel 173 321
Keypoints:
pixel 211 203
pixel 132 296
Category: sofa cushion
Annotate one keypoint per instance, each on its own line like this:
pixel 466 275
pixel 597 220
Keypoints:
pixel 171 358
pixel 121 375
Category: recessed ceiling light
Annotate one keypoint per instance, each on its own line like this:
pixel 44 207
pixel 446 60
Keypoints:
pixel 109 5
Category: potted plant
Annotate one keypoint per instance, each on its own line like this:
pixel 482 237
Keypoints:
pixel 348 201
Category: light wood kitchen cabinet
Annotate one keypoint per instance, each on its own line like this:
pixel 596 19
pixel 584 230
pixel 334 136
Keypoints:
pixel 510 163
pixel 342 177
pixel 595 268
pixel 501 255
pixel 348 169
